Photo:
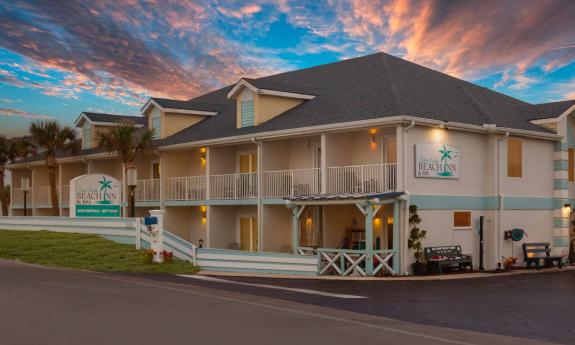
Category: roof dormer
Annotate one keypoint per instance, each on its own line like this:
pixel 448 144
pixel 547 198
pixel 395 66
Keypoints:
pixel 169 116
pixel 90 124
pixel 257 102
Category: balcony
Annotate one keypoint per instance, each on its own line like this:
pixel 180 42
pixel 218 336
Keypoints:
pixel 186 188
pixel 374 178
pixel 148 190
pixel 289 183
pixel 42 196
pixel 234 186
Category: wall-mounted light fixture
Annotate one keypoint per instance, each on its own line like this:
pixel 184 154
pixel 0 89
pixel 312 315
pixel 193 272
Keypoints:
pixel 372 138
pixel 389 220
pixel 203 151
pixel 204 210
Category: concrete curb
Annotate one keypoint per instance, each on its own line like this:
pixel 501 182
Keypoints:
pixel 474 275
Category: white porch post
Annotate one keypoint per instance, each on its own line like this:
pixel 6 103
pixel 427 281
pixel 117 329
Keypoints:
pixel 323 164
pixel 369 240
pixel 60 189
pixel 295 229
pixel 396 249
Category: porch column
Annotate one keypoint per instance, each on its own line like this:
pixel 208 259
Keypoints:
pixel 295 229
pixel 396 256
pixel 369 240
pixel 323 164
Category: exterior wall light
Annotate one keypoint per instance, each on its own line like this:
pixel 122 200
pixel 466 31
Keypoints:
pixel 203 151
pixel 204 209
pixel 389 220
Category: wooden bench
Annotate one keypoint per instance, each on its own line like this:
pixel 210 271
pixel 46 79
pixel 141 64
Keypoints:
pixel 439 258
pixel 534 253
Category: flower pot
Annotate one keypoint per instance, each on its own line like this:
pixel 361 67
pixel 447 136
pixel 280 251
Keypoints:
pixel 419 268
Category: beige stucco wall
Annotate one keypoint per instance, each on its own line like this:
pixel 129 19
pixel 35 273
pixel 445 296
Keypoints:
pixel 276 228
pixel 173 123
pixel 109 166
pixel 222 231
pixel 289 154
pixel 186 222
pixel 356 148
pixel 223 159
pixel 269 107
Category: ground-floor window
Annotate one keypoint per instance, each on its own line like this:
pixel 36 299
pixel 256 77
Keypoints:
pixel 462 219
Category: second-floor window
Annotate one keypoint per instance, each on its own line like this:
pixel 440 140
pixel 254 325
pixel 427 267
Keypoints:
pixel 87 136
pixel 514 157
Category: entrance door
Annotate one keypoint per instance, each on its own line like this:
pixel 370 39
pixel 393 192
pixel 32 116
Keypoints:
pixel 247 162
pixel 311 234
pixel 248 234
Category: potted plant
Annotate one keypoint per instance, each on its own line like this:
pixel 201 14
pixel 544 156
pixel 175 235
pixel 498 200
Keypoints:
pixel 415 240
pixel 509 262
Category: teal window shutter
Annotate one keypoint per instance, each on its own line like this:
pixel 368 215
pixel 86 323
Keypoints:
pixel 247 113
pixel 87 137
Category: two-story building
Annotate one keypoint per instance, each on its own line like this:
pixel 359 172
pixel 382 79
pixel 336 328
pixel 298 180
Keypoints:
pixel 331 157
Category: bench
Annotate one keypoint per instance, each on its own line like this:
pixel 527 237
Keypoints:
pixel 439 258
pixel 534 253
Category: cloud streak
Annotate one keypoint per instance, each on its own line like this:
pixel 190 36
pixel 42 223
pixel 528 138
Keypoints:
pixel 23 114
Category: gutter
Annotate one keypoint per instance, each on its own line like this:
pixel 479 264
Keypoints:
pixel 501 198
pixel 394 120
pixel 402 247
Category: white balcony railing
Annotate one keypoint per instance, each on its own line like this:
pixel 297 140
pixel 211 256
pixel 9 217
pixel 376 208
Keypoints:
pixel 289 183
pixel 186 188
pixel 375 178
pixel 234 186
pixel 17 196
pixel 148 190
pixel 42 196
pixel 65 199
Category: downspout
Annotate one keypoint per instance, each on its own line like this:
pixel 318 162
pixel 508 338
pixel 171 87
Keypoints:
pixel 501 198
pixel 404 180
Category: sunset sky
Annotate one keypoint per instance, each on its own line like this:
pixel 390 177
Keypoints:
pixel 61 57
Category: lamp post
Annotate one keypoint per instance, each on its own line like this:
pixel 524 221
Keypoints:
pixel 132 181
pixel 25 185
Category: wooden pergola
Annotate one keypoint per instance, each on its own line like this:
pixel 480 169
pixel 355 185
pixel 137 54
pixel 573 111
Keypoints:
pixel 369 204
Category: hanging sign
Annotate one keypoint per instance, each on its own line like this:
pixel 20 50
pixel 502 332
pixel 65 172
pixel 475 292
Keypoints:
pixel 437 160
pixel 95 195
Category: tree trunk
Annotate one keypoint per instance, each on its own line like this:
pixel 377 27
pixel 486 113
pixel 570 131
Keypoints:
pixel 53 190
pixel 3 196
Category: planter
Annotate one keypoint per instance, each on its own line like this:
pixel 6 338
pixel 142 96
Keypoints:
pixel 419 268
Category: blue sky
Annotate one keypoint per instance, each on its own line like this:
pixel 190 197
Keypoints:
pixel 58 59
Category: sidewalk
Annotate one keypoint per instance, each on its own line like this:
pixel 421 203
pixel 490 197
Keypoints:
pixel 448 276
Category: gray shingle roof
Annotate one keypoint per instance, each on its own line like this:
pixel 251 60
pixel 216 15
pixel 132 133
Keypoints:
pixel 187 105
pixel 114 118
pixel 548 110
pixel 369 87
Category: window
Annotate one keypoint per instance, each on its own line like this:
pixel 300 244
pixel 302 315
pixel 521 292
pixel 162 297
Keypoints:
pixel 156 170
pixel 247 108
pixel 462 219
pixel 571 164
pixel 157 124
pixel 87 136
pixel 514 158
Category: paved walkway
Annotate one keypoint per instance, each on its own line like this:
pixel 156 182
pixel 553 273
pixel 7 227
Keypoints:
pixel 54 306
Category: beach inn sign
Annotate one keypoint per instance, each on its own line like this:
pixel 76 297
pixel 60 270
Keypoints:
pixel 95 195
pixel 437 160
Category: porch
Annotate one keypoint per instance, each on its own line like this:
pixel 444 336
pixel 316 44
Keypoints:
pixel 364 249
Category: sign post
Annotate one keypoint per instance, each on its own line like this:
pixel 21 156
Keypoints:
pixel 95 195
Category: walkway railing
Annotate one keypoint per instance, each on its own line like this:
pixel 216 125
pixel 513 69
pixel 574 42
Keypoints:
pixel 148 190
pixel 344 262
pixel 234 186
pixel 374 178
pixel 289 183
pixel 186 188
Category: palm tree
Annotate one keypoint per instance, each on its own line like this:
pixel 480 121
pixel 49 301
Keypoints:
pixel 128 142
pixel 11 150
pixel 53 138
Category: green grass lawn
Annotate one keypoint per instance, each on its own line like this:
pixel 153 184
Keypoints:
pixel 81 251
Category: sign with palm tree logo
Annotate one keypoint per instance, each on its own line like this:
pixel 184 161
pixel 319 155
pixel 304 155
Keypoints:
pixel 95 195
pixel 437 160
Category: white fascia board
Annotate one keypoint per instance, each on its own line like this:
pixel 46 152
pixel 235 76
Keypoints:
pixel 567 112
pixel 81 118
pixel 284 94
pixel 302 131
pixel 239 85
pixel 189 112
pixel 554 119
pixel 151 103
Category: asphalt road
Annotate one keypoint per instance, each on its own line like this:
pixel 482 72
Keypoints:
pixel 534 306
pixel 40 305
